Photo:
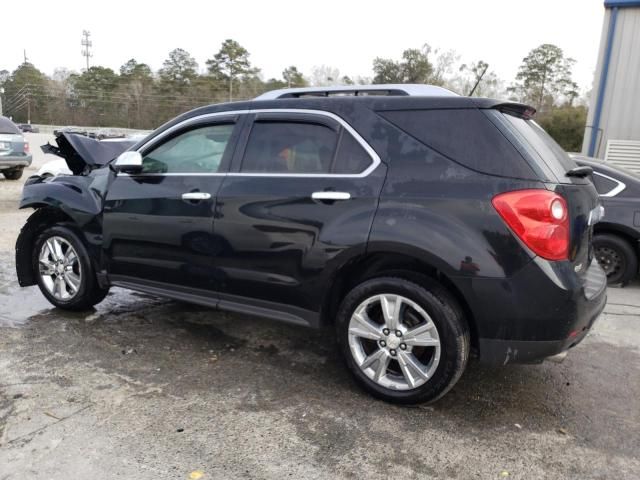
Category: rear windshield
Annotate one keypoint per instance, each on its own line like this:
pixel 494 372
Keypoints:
pixel 542 151
pixel 7 126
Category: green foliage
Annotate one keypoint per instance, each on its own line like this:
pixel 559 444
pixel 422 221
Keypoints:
pixel 566 126
pixel 178 71
pixel 414 67
pixel 544 78
pixel 293 78
pixel 231 61
pixel 25 94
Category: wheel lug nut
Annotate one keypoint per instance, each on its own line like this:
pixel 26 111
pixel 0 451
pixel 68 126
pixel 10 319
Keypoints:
pixel 386 331
pixel 383 343
pixel 398 333
pixel 392 352
pixel 403 346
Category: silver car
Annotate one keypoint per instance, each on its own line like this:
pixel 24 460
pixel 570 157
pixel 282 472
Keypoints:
pixel 14 150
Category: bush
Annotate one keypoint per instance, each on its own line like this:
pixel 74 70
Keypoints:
pixel 566 126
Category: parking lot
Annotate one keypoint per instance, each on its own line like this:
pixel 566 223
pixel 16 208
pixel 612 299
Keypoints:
pixel 151 388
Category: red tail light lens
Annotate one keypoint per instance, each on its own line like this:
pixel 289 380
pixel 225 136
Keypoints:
pixel 539 218
pixel 26 147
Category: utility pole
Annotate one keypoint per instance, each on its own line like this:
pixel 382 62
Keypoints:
pixel 86 46
pixel 24 53
pixel 1 93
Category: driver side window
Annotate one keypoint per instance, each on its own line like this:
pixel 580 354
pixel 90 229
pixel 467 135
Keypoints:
pixel 196 151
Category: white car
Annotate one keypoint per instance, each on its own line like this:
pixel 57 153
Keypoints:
pixel 54 167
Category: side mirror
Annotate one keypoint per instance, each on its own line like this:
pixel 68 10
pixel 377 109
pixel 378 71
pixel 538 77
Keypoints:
pixel 128 162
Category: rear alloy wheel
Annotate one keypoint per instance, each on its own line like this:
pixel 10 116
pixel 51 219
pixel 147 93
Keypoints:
pixel 616 257
pixel 403 342
pixel 13 174
pixel 64 271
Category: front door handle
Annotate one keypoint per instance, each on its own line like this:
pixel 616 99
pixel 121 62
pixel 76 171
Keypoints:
pixel 196 196
pixel 329 195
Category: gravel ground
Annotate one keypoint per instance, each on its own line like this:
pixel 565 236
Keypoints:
pixel 149 388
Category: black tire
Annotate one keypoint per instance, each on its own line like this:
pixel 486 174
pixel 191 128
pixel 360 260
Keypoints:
pixel 89 293
pixel 13 173
pixel 445 313
pixel 617 257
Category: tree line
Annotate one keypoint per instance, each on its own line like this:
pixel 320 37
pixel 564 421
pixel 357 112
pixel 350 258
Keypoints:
pixel 137 97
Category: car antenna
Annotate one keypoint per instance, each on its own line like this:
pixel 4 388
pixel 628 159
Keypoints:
pixel 470 94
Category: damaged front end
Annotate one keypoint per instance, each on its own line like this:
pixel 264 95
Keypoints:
pixel 76 199
pixel 84 154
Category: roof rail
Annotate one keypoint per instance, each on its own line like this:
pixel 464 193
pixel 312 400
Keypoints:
pixel 396 89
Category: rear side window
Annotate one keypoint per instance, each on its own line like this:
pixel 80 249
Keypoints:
pixel 289 147
pixel 465 136
pixel 604 184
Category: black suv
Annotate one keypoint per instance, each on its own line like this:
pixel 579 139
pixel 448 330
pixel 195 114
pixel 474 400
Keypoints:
pixel 422 225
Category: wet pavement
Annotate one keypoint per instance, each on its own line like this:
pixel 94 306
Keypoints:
pixel 149 388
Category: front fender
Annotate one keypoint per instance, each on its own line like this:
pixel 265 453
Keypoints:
pixel 76 200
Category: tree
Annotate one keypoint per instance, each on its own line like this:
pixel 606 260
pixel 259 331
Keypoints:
pixel 324 75
pixel 293 78
pixel 230 62
pixel 93 90
pixel 25 94
pixel 178 71
pixel 137 89
pixel 414 67
pixel 565 125
pixel 544 78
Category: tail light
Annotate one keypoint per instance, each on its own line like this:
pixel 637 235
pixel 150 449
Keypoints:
pixel 539 218
pixel 26 147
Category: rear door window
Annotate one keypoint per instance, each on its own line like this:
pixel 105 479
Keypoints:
pixel 289 147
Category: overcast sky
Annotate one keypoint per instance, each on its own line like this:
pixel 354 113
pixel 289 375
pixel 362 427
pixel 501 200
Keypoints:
pixel 344 34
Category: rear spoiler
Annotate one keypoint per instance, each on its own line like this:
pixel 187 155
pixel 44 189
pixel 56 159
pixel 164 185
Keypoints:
pixel 81 152
pixel 517 109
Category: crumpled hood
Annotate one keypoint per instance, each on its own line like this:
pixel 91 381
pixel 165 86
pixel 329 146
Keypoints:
pixel 83 153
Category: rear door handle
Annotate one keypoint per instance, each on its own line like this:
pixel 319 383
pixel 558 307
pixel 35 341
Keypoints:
pixel 329 195
pixel 196 196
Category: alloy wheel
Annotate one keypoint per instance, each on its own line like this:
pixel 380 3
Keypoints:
pixel 394 342
pixel 59 268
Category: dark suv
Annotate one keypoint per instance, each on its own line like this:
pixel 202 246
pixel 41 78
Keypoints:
pixel 422 225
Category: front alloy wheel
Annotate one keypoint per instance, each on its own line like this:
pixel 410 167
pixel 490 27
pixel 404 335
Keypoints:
pixel 60 268
pixel 65 273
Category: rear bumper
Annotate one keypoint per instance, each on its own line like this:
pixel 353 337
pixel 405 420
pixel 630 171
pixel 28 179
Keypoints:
pixel 501 352
pixel 543 310
pixel 10 161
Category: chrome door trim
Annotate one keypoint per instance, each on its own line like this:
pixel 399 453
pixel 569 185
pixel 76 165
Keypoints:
pixel 616 190
pixel 375 158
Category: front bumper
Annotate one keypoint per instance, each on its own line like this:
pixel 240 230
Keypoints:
pixel 13 161
pixel 543 310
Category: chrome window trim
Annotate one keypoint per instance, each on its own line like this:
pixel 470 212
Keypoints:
pixel 616 190
pixel 375 158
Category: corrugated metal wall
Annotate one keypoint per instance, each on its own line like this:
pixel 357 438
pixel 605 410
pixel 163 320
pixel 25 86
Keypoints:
pixel 620 114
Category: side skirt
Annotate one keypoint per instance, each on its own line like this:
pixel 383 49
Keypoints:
pixel 220 301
